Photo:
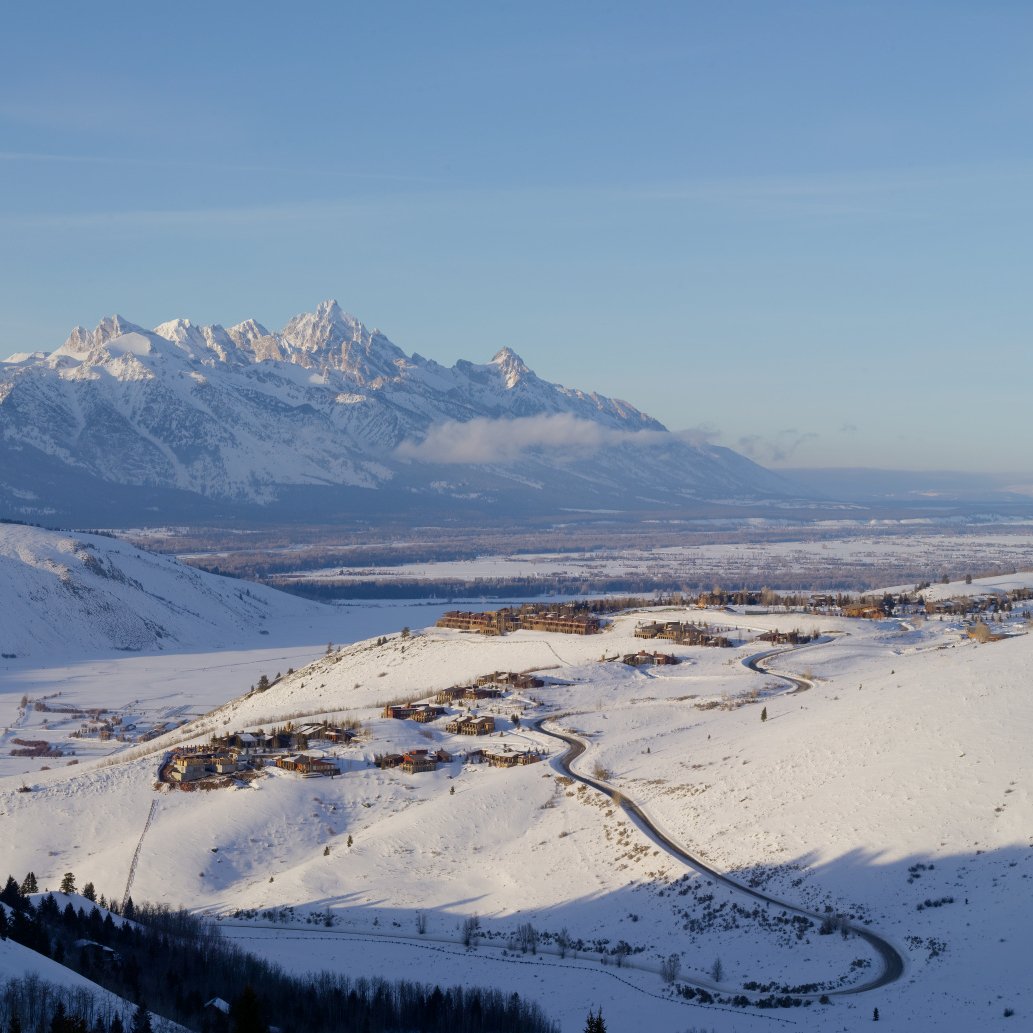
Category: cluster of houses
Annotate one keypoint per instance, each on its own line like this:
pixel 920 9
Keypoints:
pixel 419 712
pixel 287 738
pixel 785 638
pixel 467 694
pixel 238 752
pixel 415 761
pixel 487 686
pixel 683 634
pixel 471 724
pixel 499 622
pixel 511 680
pixel 307 766
pixel 644 659
pixel 192 764
pixel 99 726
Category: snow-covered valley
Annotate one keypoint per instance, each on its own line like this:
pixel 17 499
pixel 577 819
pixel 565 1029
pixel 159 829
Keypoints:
pixel 893 791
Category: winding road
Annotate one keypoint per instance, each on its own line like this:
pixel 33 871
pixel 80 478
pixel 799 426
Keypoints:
pixel 892 961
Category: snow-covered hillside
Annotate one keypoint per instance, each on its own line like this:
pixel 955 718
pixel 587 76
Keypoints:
pixel 70 594
pixel 893 790
pixel 244 415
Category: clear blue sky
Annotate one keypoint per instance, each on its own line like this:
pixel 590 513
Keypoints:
pixel 804 226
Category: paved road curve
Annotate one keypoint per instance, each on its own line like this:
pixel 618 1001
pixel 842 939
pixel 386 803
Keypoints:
pixel 892 962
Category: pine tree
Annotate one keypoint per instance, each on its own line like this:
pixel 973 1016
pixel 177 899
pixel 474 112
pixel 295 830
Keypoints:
pixel 11 895
pixel 141 1020
pixel 67 883
pixel 595 1023
pixel 89 892
pixel 59 1021
pixel 29 884
pixel 764 714
pixel 246 1013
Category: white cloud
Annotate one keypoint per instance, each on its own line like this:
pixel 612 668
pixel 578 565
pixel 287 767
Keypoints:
pixel 484 440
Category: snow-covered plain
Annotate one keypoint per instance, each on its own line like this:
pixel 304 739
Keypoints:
pixel 851 559
pixel 900 776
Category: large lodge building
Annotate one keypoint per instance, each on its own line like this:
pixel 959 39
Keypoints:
pixel 498 622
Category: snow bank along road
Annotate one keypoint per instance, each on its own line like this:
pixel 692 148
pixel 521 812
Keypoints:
pixel 892 961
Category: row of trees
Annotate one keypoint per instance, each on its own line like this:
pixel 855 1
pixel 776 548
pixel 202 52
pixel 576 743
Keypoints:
pixel 32 1005
pixel 177 962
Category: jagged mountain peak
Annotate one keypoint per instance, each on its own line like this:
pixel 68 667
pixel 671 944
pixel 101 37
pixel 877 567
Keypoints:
pixel 335 338
pixel 114 326
pixel 511 366
pixel 180 331
pixel 244 334
pixel 508 358
pixel 331 309
pixel 82 342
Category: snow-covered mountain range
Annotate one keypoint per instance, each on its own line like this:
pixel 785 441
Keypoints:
pixel 188 416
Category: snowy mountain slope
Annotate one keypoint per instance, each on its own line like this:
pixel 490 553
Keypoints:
pixel 78 594
pixel 900 776
pixel 242 414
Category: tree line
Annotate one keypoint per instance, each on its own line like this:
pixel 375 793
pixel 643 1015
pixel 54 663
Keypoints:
pixel 177 963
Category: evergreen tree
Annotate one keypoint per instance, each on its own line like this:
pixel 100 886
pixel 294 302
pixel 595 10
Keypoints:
pixel 116 1025
pixel 129 911
pixel 246 1013
pixel 764 714
pixel 59 1021
pixel 11 895
pixel 68 883
pixel 89 892
pixel 141 1020
pixel 15 1025
pixel 29 884
pixel 595 1023
pixel 3 923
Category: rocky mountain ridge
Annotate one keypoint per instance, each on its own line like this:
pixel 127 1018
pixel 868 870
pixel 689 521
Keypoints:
pixel 240 414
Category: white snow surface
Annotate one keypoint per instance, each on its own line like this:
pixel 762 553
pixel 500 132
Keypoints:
pixel 854 557
pixel 75 595
pixel 910 749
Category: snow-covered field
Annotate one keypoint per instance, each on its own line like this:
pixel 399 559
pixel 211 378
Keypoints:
pixel 852 558
pixel 900 776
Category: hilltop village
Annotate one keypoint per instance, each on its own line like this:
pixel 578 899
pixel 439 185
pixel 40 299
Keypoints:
pixel 240 756
pixel 461 724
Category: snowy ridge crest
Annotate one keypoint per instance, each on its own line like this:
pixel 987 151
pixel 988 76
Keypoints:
pixel 239 413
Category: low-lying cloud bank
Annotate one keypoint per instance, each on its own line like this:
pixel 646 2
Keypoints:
pixel 484 440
